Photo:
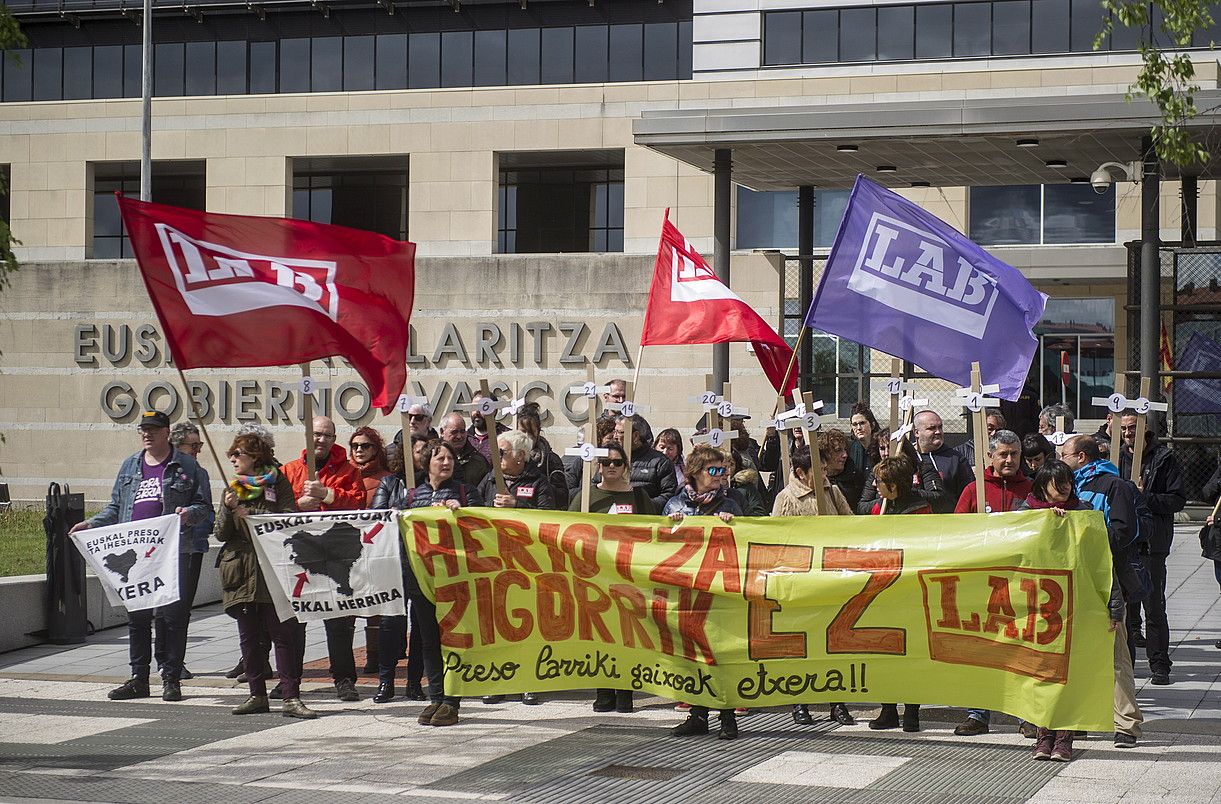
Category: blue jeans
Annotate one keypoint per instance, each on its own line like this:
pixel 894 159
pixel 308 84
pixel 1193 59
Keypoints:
pixel 982 715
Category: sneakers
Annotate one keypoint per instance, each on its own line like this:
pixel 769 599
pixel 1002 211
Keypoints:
pixel 694 724
pixel 293 707
pixel 971 727
pixel 801 715
pixel 1045 743
pixel 887 719
pixel 171 691
pixel 1161 679
pixel 129 690
pixel 254 705
pixel 345 690
pixel 425 718
pixel 1063 750
pixel 446 715
pixel 1124 740
pixel 729 727
pixel 1029 730
pixel 841 715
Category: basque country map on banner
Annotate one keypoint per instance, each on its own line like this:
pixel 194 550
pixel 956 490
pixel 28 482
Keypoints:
pixel 337 564
pixel 137 562
pixel 999 611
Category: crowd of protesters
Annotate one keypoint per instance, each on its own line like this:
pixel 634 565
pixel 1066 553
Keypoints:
pixel 864 472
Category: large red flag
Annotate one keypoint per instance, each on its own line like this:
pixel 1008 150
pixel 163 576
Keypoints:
pixel 689 304
pixel 236 291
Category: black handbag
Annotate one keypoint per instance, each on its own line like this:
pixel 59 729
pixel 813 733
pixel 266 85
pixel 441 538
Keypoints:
pixel 1210 542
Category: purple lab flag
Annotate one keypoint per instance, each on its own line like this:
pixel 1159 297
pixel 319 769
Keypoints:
pixel 901 281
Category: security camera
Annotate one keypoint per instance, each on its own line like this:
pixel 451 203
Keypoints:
pixel 1100 180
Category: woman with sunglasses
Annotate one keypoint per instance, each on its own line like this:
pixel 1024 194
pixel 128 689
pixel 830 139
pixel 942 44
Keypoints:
pixel 258 487
pixel 706 494
pixel 367 453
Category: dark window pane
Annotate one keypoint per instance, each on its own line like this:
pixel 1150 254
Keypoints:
pixel 457 59
pixel 108 71
pixel 106 220
pixel 262 67
pixel 767 219
pixel 17 75
pixel 660 51
pixel 357 63
pixel 829 206
pixel 1206 36
pixel 972 29
pixel 1011 27
pixel 1087 22
pixel 231 68
pixel 294 65
pixel 556 50
pixel 591 43
pixel 782 37
pixel 1074 213
pixel 326 64
pixel 392 61
pixel 523 56
pixel 48 73
pixel 1125 38
pixel 424 60
pixel 1005 215
pixel 1049 26
pixel 684 50
pixel 201 68
pixel 490 57
pixel 933 39
pixel 858 30
pixel 168 69
pixel 820 38
pixel 78 73
pixel 132 71
pixel 896 33
pixel 626 52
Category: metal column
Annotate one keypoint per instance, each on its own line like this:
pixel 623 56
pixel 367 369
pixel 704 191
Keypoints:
pixel 722 173
pixel 1150 267
pixel 146 106
pixel 805 281
pixel 1191 196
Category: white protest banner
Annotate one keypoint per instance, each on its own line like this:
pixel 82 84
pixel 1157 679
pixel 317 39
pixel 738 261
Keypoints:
pixel 137 562
pixel 326 565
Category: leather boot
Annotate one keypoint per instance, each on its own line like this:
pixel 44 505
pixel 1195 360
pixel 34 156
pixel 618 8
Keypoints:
pixel 729 725
pixel 887 719
pixel 801 715
pixel 911 717
pixel 373 628
pixel 385 692
pixel 623 702
pixel 841 715
pixel 604 701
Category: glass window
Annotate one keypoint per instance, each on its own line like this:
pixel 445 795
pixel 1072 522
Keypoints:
pixel 1011 27
pixel 231 68
pixel 1125 38
pixel 392 61
pixel 591 43
pixel 371 199
pixel 326 64
pixel 820 36
pixel 424 60
pixel 660 51
pixel 972 29
pixel 1074 213
pixel 1086 23
pixel 858 32
pixel 168 68
pixel 262 67
pixel 201 68
pixel 557 53
pixel 767 219
pixel 560 209
pixel 457 59
pixel 829 207
pixel 896 33
pixel 48 73
pixel 357 63
pixel 1005 215
pixel 524 56
pixel 1206 37
pixel 684 50
pixel 108 71
pixel 782 37
pixel 491 55
pixel 294 65
pixel 933 31
pixel 17 75
pixel 132 71
pixel 1049 29
pixel 626 52
pixel 78 73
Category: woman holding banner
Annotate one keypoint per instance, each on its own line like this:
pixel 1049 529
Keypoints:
pixel 258 487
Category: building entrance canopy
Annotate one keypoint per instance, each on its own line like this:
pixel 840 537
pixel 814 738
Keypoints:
pixel 950 143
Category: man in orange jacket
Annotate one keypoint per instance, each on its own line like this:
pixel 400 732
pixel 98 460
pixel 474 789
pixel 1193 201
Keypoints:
pixel 338 488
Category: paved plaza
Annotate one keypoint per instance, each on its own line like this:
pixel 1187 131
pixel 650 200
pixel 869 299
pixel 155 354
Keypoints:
pixel 61 739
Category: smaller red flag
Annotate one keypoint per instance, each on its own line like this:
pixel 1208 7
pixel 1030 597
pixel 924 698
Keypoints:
pixel 1166 356
pixel 688 304
pixel 1066 371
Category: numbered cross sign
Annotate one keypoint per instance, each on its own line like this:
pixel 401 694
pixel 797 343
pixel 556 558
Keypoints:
pixel 587 452
pixel 811 421
pixel 1116 403
pixel 589 389
pixel 308 386
pixel 403 404
pixel 1140 405
pixel 905 403
pixel 485 406
pixel 894 386
pixel 716 437
pixel 973 401
pixel 1058 438
pixel 708 398
pixel 725 409
pixel 628 409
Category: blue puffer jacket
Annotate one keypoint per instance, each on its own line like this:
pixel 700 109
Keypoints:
pixel 1100 487
pixel 184 485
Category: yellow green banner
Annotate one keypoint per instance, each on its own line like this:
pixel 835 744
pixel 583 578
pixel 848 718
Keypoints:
pixel 996 611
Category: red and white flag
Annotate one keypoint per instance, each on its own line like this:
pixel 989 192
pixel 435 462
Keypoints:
pixel 689 304
pixel 235 291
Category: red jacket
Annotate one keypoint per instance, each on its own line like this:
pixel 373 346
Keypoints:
pixel 337 475
pixel 1000 494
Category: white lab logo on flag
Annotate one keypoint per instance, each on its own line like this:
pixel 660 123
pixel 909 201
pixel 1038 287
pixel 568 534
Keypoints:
pixel 692 279
pixel 334 564
pixel 137 562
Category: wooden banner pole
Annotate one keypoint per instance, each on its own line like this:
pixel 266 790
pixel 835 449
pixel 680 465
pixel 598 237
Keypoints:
pixel 820 492
pixel 493 441
pixel 788 372
pixel 896 373
pixel 1138 446
pixel 627 429
pixel 199 422
pixel 307 407
pixel 980 428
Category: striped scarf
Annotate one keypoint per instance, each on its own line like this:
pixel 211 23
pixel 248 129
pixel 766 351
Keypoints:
pixel 250 487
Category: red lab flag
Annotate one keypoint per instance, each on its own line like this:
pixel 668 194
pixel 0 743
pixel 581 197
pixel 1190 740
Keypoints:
pixel 233 291
pixel 689 304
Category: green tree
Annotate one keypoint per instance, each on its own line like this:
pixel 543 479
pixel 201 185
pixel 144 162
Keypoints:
pixel 1167 75
pixel 10 37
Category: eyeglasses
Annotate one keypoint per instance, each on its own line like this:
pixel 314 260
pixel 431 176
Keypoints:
pixel 237 453
pixel 193 446
pixel 716 471
pixel 361 445
pixel 611 462
pixel 325 436
pixel 417 416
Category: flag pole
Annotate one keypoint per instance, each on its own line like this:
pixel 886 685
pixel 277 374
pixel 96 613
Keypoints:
pixel 307 407
pixel 636 375
pixel 408 452
pixel 980 427
pixel 789 370
pixel 198 417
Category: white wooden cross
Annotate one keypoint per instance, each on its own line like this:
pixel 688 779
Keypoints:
pixel 591 391
pixel 627 408
pixel 975 400
pixel 1117 403
pixel 403 405
pixel 489 408
pixel 811 423
pixel 588 452
pixel 516 403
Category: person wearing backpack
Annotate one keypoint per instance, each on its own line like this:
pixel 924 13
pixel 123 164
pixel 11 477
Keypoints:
pixel 1099 486
pixel 1161 484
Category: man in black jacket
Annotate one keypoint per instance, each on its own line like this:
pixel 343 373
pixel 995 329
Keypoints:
pixel 650 469
pixel 1161 480
pixel 953 468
